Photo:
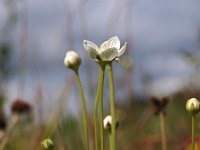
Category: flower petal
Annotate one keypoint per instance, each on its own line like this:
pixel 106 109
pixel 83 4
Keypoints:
pixel 113 42
pixel 109 54
pixel 122 50
pixel 91 48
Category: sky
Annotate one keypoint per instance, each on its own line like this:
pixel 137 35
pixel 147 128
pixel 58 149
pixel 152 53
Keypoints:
pixel 158 35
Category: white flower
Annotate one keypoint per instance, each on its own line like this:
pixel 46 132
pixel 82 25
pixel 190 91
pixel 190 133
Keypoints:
pixel 72 60
pixel 107 122
pixel 193 106
pixel 108 51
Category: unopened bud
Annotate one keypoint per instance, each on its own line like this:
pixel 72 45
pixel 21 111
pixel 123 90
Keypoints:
pixel 107 123
pixel 193 106
pixel 47 144
pixel 72 60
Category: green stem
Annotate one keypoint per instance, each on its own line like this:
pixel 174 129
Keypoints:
pixel 112 105
pixel 110 139
pixel 96 122
pixel 99 97
pixel 84 110
pixel 163 134
pixel 193 132
pixel 102 71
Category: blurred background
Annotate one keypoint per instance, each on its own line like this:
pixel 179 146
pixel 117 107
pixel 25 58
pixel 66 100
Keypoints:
pixel 162 59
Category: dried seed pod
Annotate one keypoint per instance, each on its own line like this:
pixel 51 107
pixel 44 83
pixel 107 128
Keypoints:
pixel 21 107
pixel 159 105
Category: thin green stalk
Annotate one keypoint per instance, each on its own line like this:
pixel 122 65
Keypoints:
pixel 96 121
pixel 112 105
pixel 83 109
pixel 102 71
pixel 99 96
pixel 110 139
pixel 163 134
pixel 193 132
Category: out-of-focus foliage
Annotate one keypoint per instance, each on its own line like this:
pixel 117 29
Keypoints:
pixel 138 129
pixel 5 53
pixel 2 98
pixel 5 68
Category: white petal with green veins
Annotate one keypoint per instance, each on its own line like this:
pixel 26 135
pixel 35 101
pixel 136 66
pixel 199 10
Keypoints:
pixel 91 48
pixel 122 50
pixel 109 54
pixel 113 42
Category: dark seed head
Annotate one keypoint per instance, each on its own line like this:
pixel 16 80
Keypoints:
pixel 159 105
pixel 21 107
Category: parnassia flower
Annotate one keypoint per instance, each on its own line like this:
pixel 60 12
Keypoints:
pixel 109 50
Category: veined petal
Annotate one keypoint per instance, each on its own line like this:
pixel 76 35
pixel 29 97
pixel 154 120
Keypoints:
pixel 122 50
pixel 113 42
pixel 91 48
pixel 109 54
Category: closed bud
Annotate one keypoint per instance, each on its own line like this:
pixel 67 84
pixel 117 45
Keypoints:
pixel 47 144
pixel 193 106
pixel 107 123
pixel 72 60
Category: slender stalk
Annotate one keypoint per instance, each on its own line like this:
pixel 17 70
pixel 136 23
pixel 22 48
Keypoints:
pixel 99 96
pixel 102 71
pixel 163 134
pixel 193 132
pixel 96 121
pixel 83 109
pixel 110 139
pixel 112 105
pixel 5 136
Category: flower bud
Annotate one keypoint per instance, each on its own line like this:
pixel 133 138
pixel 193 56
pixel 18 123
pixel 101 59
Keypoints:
pixel 193 106
pixel 72 60
pixel 107 123
pixel 47 144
